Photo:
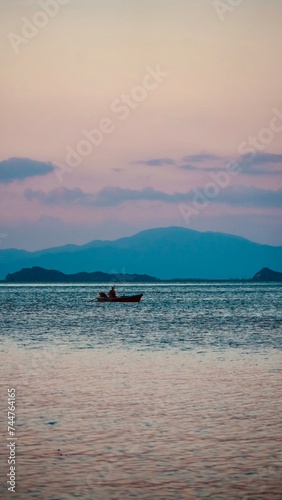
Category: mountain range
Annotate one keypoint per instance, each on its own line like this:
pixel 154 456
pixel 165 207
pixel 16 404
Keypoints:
pixel 167 253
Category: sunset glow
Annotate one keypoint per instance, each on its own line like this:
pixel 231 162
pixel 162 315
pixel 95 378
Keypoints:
pixel 135 105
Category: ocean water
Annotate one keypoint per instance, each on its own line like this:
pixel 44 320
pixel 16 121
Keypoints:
pixel 177 397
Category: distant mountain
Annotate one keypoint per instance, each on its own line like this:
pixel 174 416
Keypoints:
pixel 267 274
pixel 172 252
pixel 40 275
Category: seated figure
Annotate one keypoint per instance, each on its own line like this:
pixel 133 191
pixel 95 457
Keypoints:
pixel 112 293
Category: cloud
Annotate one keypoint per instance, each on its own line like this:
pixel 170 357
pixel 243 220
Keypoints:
pixel 262 164
pixel 114 196
pixel 58 196
pixel 201 157
pixel 192 168
pixel 202 162
pixel 189 160
pixel 107 197
pixel 156 162
pixel 266 158
pixel 15 169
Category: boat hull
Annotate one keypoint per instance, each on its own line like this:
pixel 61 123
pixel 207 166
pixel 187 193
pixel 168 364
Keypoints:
pixel 132 298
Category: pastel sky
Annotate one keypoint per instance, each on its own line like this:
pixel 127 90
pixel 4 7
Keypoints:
pixel 121 115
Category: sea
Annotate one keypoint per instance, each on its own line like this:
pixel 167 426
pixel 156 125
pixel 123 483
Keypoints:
pixel 176 397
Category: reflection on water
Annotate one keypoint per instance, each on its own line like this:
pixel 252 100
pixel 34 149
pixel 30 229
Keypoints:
pixel 101 425
pixel 106 411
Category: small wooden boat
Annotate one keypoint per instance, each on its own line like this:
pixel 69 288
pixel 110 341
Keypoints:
pixel 131 298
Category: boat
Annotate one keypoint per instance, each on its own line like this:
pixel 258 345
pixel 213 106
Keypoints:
pixel 125 298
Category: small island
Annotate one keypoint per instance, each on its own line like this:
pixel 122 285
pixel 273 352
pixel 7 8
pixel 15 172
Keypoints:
pixel 41 275
pixel 267 274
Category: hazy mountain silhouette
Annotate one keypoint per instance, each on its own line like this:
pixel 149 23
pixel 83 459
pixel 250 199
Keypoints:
pixel 172 252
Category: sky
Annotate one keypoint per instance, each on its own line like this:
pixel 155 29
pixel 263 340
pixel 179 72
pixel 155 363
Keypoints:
pixel 118 116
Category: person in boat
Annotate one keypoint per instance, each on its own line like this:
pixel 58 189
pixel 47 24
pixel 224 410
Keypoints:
pixel 103 295
pixel 112 293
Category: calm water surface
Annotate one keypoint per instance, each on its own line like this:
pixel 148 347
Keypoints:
pixel 178 397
